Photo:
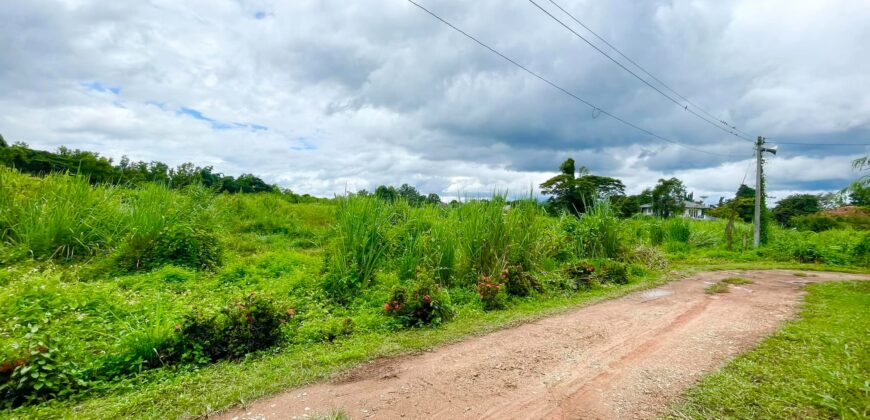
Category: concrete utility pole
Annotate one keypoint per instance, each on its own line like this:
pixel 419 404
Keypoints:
pixel 759 149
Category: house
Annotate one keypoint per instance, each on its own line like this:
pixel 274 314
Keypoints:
pixel 692 210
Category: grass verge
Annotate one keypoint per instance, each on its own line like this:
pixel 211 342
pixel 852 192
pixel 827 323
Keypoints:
pixel 205 391
pixel 818 366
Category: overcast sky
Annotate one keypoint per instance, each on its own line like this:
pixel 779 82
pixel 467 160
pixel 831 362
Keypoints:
pixel 327 96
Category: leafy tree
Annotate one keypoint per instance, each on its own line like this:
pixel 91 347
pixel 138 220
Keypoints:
pixel 386 193
pixel 626 205
pixel 859 195
pixel 667 197
pixel 410 194
pixel 795 205
pixel 3 142
pixel 572 189
pixel 433 198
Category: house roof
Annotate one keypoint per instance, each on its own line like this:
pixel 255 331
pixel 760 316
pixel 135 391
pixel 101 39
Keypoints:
pixel 688 204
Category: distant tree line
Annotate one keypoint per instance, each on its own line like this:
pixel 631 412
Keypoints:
pixel 574 190
pixel 405 192
pixel 101 170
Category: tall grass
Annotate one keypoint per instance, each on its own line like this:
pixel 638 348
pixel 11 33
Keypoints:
pixel 599 232
pixel 483 237
pixel 59 216
pixel 360 243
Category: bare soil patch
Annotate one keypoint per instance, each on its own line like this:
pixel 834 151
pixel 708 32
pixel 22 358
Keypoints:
pixel 624 358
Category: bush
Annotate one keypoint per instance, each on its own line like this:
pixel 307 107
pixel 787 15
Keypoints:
pixel 614 272
pixel 519 282
pixel 491 293
pixel 426 304
pixel 40 373
pixel 181 245
pixel 649 257
pixel 245 326
pixel 814 222
pixel 581 275
pixel 328 328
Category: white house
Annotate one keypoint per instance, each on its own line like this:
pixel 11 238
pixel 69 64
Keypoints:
pixel 692 210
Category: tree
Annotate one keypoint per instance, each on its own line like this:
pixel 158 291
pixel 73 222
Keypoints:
pixel 573 189
pixel 667 197
pixel 3 142
pixel 626 205
pixel 384 192
pixel 795 205
pixel 433 198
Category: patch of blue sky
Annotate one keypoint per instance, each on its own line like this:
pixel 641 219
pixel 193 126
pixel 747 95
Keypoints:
pixel 260 15
pixel 220 125
pixel 303 144
pixel 100 87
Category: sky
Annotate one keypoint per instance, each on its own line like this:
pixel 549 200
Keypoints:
pixel 328 96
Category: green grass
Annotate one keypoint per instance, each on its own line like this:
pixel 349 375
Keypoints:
pixel 166 394
pixel 716 288
pixel 736 280
pixel 82 272
pixel 817 366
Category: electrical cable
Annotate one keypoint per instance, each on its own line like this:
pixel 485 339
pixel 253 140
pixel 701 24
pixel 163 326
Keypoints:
pixel 685 107
pixel 563 90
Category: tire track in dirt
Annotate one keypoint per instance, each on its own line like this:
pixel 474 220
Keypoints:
pixel 627 358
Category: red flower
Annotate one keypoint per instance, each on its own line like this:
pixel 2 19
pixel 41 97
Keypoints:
pixel 426 299
pixel 387 307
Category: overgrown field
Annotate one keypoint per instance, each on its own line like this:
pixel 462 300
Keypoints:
pixel 147 301
pixel 816 367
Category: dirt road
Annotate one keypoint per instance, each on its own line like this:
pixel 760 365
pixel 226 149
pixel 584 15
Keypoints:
pixel 624 358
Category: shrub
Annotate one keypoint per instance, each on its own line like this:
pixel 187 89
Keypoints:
pixel 245 326
pixel 614 272
pixel 491 293
pixel 329 329
pixel 518 281
pixel 581 274
pixel 649 257
pixel 814 222
pixel 426 304
pixel 181 245
pixel 39 374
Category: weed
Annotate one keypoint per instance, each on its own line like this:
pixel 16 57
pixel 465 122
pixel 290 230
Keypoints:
pixel 736 280
pixel 716 288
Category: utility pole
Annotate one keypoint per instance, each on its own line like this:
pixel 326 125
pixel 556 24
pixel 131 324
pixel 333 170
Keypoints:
pixel 756 221
pixel 759 149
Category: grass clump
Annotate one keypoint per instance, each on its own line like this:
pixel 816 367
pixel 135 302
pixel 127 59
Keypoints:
pixel 716 288
pixel 736 280
pixel 815 367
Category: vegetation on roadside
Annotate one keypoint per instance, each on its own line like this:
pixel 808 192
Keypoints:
pixel 114 296
pixel 814 368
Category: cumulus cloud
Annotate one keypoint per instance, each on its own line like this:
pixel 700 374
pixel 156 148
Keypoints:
pixel 324 96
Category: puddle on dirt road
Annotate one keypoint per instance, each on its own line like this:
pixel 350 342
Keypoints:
pixel 655 294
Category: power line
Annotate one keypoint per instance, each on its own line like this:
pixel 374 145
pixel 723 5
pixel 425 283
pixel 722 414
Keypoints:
pixel 725 123
pixel 819 144
pixel 563 90
pixel 715 122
